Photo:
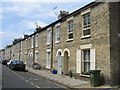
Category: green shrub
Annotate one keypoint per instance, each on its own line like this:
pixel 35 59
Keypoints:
pixel 85 73
pixel 70 74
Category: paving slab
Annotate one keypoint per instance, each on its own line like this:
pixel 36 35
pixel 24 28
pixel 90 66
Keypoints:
pixel 63 79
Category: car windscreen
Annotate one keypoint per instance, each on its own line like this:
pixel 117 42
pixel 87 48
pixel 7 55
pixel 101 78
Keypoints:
pixel 6 60
pixel 19 62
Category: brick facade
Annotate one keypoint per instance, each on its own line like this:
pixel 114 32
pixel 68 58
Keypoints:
pixel 67 54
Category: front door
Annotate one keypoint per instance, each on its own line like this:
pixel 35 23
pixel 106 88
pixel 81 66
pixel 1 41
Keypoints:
pixel 59 63
pixel 30 59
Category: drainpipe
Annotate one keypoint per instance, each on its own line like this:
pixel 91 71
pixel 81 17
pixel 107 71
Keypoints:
pixel 19 49
pixel 52 47
pixel 33 48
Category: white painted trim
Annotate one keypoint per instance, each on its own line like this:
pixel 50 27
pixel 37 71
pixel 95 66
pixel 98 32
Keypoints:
pixel 58 24
pixel 57 42
pixel 36 34
pixel 87 36
pixel 49 28
pixel 92 59
pixel 85 11
pixel 36 51
pixel 70 18
pixel 66 49
pixel 59 50
pixel 69 40
pixel 48 50
pixel 87 46
pixel 78 61
pixel 118 35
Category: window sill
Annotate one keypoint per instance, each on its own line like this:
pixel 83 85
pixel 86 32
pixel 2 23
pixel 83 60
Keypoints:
pixel 36 46
pixel 69 40
pixel 48 44
pixel 57 42
pixel 48 67
pixel 83 75
pixel 87 36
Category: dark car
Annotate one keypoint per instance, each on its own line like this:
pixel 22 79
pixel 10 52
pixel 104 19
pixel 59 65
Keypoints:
pixel 4 61
pixel 17 65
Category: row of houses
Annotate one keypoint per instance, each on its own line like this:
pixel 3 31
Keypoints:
pixel 87 39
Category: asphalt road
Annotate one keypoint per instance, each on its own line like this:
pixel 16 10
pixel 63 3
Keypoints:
pixel 24 79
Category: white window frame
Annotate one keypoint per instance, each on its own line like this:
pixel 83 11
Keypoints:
pixel 85 61
pixel 32 45
pixel 88 26
pixel 28 42
pixel 48 36
pixel 21 45
pixel 48 59
pixel 57 38
pixel 70 30
pixel 36 40
pixel 79 58
pixel 36 56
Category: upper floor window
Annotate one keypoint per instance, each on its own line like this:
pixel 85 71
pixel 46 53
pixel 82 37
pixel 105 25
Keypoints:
pixel 86 24
pixel 28 43
pixel 36 41
pixel 21 45
pixel 70 29
pixel 48 36
pixel 57 33
pixel 32 42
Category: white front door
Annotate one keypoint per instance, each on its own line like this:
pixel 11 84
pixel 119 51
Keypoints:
pixel 30 59
pixel 59 63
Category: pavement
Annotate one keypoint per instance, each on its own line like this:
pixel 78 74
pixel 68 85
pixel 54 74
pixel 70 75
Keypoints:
pixel 0 76
pixel 63 79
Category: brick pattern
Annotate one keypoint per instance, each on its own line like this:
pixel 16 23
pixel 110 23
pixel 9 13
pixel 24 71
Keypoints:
pixel 104 39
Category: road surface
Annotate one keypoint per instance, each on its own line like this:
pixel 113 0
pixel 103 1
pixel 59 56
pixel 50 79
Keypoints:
pixel 24 79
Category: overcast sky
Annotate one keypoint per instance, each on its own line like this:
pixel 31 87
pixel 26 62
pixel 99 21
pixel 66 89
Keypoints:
pixel 18 17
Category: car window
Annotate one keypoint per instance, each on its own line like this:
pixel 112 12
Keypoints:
pixel 19 62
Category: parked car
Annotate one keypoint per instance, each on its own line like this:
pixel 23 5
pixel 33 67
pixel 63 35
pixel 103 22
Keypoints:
pixel 8 63
pixel 17 65
pixel 4 61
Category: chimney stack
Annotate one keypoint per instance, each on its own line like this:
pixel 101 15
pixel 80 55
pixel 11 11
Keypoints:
pixel 62 14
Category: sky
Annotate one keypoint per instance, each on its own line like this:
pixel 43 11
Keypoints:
pixel 18 17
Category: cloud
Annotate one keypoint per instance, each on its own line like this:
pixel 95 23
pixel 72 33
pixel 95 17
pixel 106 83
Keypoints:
pixel 31 24
pixel 1 33
pixel 21 9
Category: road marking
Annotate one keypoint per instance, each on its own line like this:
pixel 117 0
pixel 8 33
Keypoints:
pixel 37 86
pixel 20 76
pixel 31 83
pixel 26 80
pixel 23 78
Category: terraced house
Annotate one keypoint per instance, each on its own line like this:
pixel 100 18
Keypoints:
pixel 87 39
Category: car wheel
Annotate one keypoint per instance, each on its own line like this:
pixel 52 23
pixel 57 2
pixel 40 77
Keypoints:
pixel 12 68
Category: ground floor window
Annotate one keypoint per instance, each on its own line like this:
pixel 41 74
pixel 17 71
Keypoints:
pixel 86 60
pixel 48 60
pixel 36 57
